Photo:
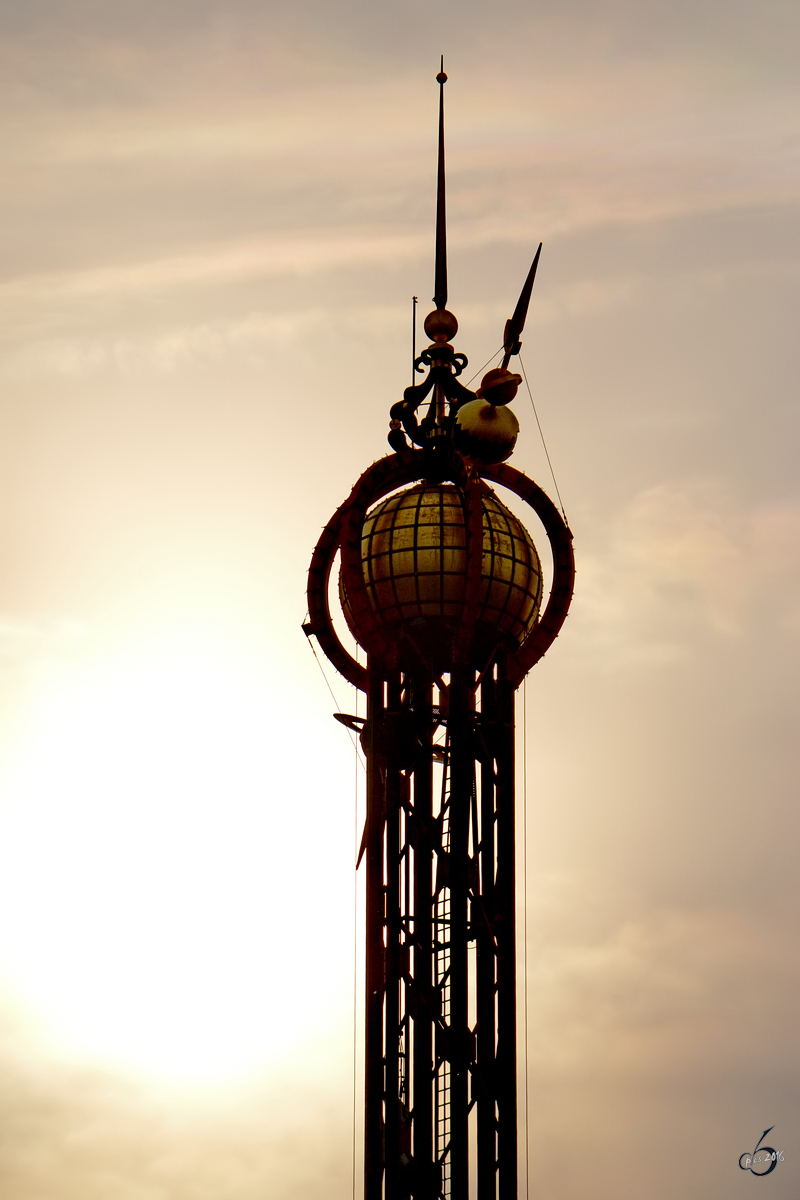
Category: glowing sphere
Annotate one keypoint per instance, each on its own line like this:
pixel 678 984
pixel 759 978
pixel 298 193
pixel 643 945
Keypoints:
pixel 414 556
pixel 485 432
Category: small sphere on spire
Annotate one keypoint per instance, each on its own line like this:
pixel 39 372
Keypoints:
pixel 440 325
pixel 441 77
pixel 499 386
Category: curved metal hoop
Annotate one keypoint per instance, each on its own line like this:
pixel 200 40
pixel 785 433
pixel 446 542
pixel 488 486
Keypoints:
pixel 547 628
pixel 344 531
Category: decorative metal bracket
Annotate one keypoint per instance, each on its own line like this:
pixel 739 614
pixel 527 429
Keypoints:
pixel 443 376
pixel 433 354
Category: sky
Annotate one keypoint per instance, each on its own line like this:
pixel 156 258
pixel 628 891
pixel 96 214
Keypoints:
pixel 212 221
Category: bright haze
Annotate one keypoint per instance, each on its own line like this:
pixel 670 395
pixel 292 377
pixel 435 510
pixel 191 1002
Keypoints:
pixel 213 219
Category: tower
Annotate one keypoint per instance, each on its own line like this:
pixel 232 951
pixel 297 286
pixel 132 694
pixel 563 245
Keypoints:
pixel 442 586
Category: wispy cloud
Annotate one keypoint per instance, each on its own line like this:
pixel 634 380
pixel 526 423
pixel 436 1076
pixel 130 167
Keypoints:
pixel 683 558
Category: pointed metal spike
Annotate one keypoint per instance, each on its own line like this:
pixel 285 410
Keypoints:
pixel 516 324
pixel 440 280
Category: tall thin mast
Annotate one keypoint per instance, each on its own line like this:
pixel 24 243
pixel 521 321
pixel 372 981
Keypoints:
pixel 440 283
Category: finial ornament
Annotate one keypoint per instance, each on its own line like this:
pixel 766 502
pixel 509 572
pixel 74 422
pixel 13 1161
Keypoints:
pixel 516 324
pixel 499 386
pixel 461 427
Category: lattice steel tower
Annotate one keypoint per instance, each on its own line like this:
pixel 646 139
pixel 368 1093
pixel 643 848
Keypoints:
pixel 442 586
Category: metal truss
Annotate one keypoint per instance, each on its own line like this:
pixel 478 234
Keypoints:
pixel 440 976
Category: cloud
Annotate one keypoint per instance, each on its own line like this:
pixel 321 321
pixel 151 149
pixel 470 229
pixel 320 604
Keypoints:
pixel 654 1028
pixel 193 189
pixel 254 338
pixel 301 252
pixel 685 558
pixel 78 1132
pixel 626 976
pixel 220 178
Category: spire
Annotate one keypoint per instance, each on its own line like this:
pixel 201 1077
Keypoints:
pixel 516 324
pixel 440 284
pixel 440 325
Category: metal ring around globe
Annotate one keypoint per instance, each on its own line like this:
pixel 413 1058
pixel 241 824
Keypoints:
pixel 376 482
pixel 547 628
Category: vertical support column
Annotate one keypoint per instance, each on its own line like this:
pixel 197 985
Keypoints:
pixel 462 768
pixel 393 732
pixel 484 922
pixel 506 942
pixel 374 967
pixel 425 1183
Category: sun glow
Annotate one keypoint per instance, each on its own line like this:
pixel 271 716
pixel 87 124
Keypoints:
pixel 156 817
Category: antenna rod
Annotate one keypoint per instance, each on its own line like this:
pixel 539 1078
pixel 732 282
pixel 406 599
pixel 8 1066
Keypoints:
pixel 413 335
pixel 440 284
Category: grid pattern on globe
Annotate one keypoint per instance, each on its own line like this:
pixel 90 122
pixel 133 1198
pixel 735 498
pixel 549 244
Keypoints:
pixel 414 554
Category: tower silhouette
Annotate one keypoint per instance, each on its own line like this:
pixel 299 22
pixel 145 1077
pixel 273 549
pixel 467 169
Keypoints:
pixel 442 586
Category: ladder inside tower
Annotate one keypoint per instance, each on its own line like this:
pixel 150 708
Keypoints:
pixel 441 940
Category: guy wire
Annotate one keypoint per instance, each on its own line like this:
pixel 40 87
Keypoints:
pixel 525 916
pixel 355 953
pixel 544 443
pixel 336 702
pixel 477 373
pixel 355 907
